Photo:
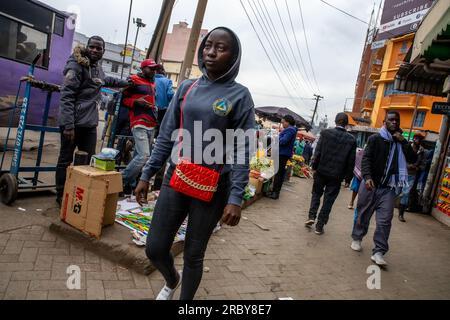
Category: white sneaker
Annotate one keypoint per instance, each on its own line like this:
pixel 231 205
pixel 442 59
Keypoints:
pixel 378 259
pixel 166 293
pixel 356 245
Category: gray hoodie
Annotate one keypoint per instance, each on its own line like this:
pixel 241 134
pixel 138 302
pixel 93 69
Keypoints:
pixel 221 104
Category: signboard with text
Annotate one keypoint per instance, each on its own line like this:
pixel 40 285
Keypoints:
pixel 441 108
pixel 401 17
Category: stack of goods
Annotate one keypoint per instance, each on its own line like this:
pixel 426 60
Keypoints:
pixel 262 165
pixel 138 219
pixel 300 168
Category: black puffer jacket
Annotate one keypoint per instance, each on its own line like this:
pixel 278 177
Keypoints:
pixel 335 154
pixel 80 93
pixel 376 156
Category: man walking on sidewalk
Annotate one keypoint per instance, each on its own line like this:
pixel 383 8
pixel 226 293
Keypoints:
pixel 140 100
pixel 333 161
pixel 384 169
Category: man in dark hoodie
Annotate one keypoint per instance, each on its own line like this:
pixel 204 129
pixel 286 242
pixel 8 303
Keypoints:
pixel 217 102
pixel 78 109
pixel 334 160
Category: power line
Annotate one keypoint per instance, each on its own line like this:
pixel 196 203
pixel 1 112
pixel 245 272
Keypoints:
pixel 307 46
pixel 286 56
pixel 298 46
pixel 344 12
pixel 271 37
pixel 267 54
pixel 285 33
pixel 273 45
pixel 277 44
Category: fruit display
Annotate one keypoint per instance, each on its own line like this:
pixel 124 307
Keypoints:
pixel 300 168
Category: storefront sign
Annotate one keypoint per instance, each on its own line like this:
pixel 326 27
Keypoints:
pixel 401 17
pixel 378 44
pixel 441 108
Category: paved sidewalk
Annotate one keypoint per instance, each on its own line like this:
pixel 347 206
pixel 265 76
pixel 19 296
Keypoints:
pixel 246 262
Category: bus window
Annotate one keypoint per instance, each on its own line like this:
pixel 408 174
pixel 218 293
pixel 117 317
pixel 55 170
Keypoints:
pixel 22 43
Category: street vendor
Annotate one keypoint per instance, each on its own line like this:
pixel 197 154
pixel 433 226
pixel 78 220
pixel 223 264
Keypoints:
pixel 213 102
pixel 286 141
pixel 78 108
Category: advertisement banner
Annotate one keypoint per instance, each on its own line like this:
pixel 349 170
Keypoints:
pixel 401 17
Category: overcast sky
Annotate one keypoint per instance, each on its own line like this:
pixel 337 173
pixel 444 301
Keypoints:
pixel 335 40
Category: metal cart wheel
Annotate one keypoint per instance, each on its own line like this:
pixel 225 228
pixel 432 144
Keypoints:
pixel 8 188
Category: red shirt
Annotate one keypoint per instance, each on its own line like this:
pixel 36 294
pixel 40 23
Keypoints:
pixel 141 115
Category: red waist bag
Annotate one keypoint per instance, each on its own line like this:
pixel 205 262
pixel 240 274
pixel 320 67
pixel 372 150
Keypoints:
pixel 192 179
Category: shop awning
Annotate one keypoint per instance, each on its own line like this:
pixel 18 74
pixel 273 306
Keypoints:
pixel 275 114
pixel 432 40
pixel 428 62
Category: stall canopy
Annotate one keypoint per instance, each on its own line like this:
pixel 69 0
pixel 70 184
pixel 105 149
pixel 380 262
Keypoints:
pixel 275 114
pixel 306 135
pixel 428 62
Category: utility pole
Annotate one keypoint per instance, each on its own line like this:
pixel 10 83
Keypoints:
pixel 156 46
pixel 186 68
pixel 414 116
pixel 140 24
pixel 318 98
pixel 125 46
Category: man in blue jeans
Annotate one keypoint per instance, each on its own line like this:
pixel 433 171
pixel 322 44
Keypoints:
pixel 140 100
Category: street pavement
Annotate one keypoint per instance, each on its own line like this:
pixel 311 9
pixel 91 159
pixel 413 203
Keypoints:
pixel 269 255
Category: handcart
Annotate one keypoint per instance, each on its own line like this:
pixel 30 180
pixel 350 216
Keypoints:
pixel 10 181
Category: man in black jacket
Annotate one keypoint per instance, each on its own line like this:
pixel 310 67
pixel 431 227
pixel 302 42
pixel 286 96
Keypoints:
pixel 385 172
pixel 333 161
pixel 78 109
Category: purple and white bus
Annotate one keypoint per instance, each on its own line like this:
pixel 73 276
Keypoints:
pixel 27 28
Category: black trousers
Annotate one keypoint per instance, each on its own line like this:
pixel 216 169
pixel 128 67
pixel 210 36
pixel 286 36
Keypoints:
pixel 85 140
pixel 170 211
pixel 330 188
pixel 279 177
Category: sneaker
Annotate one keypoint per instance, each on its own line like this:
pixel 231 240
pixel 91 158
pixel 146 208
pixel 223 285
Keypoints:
pixel 378 259
pixel 401 218
pixel 319 229
pixel 309 223
pixel 350 206
pixel 166 293
pixel 356 245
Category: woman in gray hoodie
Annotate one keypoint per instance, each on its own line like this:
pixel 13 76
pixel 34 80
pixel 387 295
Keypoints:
pixel 215 101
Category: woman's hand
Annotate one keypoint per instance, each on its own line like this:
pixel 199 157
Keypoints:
pixel 231 215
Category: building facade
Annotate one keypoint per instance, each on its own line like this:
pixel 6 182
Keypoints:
pixel 414 109
pixel 174 50
pixel 382 57
pixel 113 58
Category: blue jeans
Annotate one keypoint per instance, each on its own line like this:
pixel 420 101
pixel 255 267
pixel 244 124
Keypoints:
pixel 143 140
pixel 404 199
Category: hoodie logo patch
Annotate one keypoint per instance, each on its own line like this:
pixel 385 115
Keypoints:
pixel 222 107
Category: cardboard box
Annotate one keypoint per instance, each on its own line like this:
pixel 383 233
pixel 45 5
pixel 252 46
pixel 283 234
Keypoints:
pixel 90 198
pixel 257 183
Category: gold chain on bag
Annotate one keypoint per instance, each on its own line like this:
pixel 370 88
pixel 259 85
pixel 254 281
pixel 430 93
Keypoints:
pixel 193 183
